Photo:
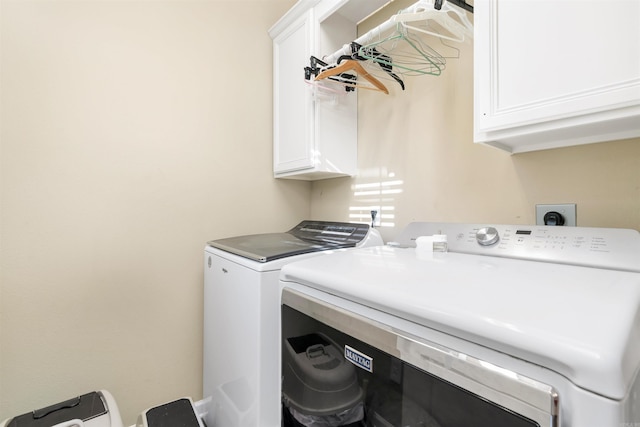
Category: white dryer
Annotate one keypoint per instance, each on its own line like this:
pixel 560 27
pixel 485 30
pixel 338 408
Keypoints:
pixel 241 376
pixel 515 326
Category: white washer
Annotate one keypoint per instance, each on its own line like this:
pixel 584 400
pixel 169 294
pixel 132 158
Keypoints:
pixel 542 323
pixel 241 379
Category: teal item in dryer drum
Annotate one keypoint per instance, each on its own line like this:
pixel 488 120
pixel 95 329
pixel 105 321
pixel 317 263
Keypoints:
pixel 318 380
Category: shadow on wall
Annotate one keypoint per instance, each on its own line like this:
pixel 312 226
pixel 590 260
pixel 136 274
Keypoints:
pixel 602 179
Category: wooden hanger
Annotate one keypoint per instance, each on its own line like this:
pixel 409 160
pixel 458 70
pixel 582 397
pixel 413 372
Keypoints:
pixel 353 65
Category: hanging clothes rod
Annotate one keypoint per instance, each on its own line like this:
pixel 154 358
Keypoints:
pixel 387 25
pixel 460 3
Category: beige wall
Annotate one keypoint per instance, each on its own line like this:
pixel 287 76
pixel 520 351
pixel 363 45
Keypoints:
pixel 424 136
pixel 132 133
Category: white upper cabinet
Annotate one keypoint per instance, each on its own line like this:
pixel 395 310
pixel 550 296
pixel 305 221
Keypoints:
pixel 314 131
pixel 556 73
pixel 293 106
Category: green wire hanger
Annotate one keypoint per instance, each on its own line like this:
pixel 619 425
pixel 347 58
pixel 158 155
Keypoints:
pixel 420 60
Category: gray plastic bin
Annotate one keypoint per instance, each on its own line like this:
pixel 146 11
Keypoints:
pixel 318 380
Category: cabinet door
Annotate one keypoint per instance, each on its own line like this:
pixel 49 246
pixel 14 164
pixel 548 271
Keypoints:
pixel 555 73
pixel 293 106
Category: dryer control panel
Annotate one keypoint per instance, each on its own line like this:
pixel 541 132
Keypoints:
pixel 611 248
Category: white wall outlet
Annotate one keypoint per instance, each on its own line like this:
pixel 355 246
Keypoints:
pixel 566 210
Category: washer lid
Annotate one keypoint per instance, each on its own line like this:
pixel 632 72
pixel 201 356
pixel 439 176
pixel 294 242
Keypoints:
pixel 306 237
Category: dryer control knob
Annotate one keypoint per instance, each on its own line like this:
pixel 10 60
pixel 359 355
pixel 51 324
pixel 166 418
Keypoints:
pixel 487 236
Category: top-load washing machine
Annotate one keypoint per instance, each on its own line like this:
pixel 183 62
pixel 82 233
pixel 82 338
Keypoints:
pixel 241 376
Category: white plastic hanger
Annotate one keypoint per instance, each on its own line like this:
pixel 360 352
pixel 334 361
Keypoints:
pixel 450 22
